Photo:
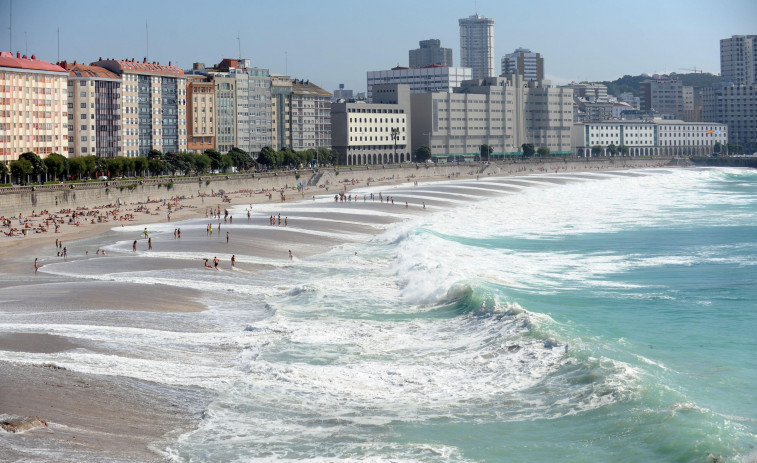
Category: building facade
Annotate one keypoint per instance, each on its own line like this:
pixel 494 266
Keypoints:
pixel 310 116
pixel 373 133
pixel 587 91
pixel 201 117
pixel 665 95
pixel 94 108
pixel 34 112
pixel 430 53
pixel 738 59
pixel 651 138
pixel 477 45
pixel 154 106
pixel 524 61
pixel 499 112
pixel 421 80
pixel 735 106
pixel 281 91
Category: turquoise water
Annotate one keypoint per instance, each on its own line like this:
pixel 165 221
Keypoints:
pixel 609 318
pixel 585 317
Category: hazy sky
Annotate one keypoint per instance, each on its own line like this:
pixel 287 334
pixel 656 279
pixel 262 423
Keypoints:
pixel 338 41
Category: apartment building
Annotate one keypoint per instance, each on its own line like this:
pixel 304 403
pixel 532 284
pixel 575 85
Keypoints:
pixel 660 137
pixel 309 116
pixel 94 108
pixel 433 78
pixel 503 113
pixel 523 61
pixel 201 116
pixel 281 91
pixel 34 112
pixel 738 59
pixel 373 133
pixel 154 106
pixel 665 95
pixel 736 107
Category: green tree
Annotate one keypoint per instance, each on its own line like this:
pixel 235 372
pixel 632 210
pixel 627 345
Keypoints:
pixel 422 154
pixel 543 151
pixel 202 163
pixel 101 165
pixel 140 164
pixel 114 166
pixel 734 148
pixel 226 163
pixel 155 154
pixel 77 167
pixel 268 157
pixel 624 149
pixel 486 152
pixel 215 159
pixel 38 166
pixel 612 149
pixel 240 158
pixel 528 149
pixel 288 157
pixel 596 150
pixel 21 168
pixel 90 163
pixel 3 171
pixel 129 166
pixel 326 156
pixel 56 164
pixel 155 166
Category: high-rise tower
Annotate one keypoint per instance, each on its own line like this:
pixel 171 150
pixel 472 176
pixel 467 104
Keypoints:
pixel 477 45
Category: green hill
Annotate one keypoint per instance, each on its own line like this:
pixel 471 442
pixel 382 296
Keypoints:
pixel 631 83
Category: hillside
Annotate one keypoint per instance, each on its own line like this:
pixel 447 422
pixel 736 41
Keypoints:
pixel 631 83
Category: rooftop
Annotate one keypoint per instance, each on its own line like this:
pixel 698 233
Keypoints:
pixel 136 66
pixel 83 70
pixel 7 60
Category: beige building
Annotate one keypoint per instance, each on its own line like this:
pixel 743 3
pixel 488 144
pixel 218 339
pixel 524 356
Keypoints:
pixel 154 106
pixel 94 108
pixel 281 91
pixel 502 113
pixel 34 112
pixel 201 113
pixel 309 116
pixel 373 133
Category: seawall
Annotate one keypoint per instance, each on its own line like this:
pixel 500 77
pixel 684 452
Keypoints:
pixel 63 196
pixel 729 161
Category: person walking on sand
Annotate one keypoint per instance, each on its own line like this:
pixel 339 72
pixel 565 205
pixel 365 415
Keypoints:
pixel 36 267
pixel 134 246
pixel 215 262
pixel 145 232
pixel 149 244
pixel 227 237
pixel 179 232
pixel 290 255
pixel 65 253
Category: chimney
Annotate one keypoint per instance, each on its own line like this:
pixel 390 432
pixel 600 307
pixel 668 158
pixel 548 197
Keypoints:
pixel 169 63
pixel 34 57
pixel 18 54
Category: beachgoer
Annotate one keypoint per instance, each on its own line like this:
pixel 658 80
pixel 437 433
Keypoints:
pixel 286 221
pixel 290 255
pixel 206 264
pixel 65 253
pixel 233 260
pixel 134 246
pixel 227 237
pixel 36 267
pixel 145 232
pixel 179 232
pixel 149 244
pixel 215 262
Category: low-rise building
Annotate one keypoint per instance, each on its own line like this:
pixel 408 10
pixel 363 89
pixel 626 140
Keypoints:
pixel 34 113
pixel 373 133
pixel 660 137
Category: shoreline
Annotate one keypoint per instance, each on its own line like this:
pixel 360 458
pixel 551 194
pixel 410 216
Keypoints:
pixel 31 397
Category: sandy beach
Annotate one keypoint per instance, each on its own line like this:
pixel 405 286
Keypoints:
pixel 86 417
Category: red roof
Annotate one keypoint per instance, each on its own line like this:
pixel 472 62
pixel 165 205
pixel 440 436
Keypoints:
pixel 7 60
pixel 83 70
pixel 120 66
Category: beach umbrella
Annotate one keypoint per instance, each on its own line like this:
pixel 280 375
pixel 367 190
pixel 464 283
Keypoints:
pixel 221 192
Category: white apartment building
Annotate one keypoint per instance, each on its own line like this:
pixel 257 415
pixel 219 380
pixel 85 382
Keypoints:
pixel 432 78
pixel 154 106
pixel 656 138
pixel 477 45
pixel 523 61
pixel 33 107
pixel 373 133
pixel 94 105
pixel 309 116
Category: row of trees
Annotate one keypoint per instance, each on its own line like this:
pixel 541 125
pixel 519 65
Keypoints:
pixel 272 159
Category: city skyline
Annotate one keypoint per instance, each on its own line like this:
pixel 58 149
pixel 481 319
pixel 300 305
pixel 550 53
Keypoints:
pixel 339 41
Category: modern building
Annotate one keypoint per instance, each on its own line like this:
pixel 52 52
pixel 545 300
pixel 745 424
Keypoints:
pixel 660 137
pixel 429 53
pixel 249 90
pixel 33 107
pixel 503 113
pixel 477 45
pixel 201 113
pixel 432 78
pixel 154 106
pixel 585 110
pixel 523 61
pixel 310 116
pixel 373 133
pixel 94 108
pixel 281 91
pixel 588 91
pixel 738 59
pixel 666 95
pixel 735 106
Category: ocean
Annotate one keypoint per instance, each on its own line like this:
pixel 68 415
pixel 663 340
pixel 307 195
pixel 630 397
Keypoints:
pixel 602 316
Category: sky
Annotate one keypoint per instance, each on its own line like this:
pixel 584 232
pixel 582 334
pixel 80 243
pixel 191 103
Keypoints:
pixel 337 41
